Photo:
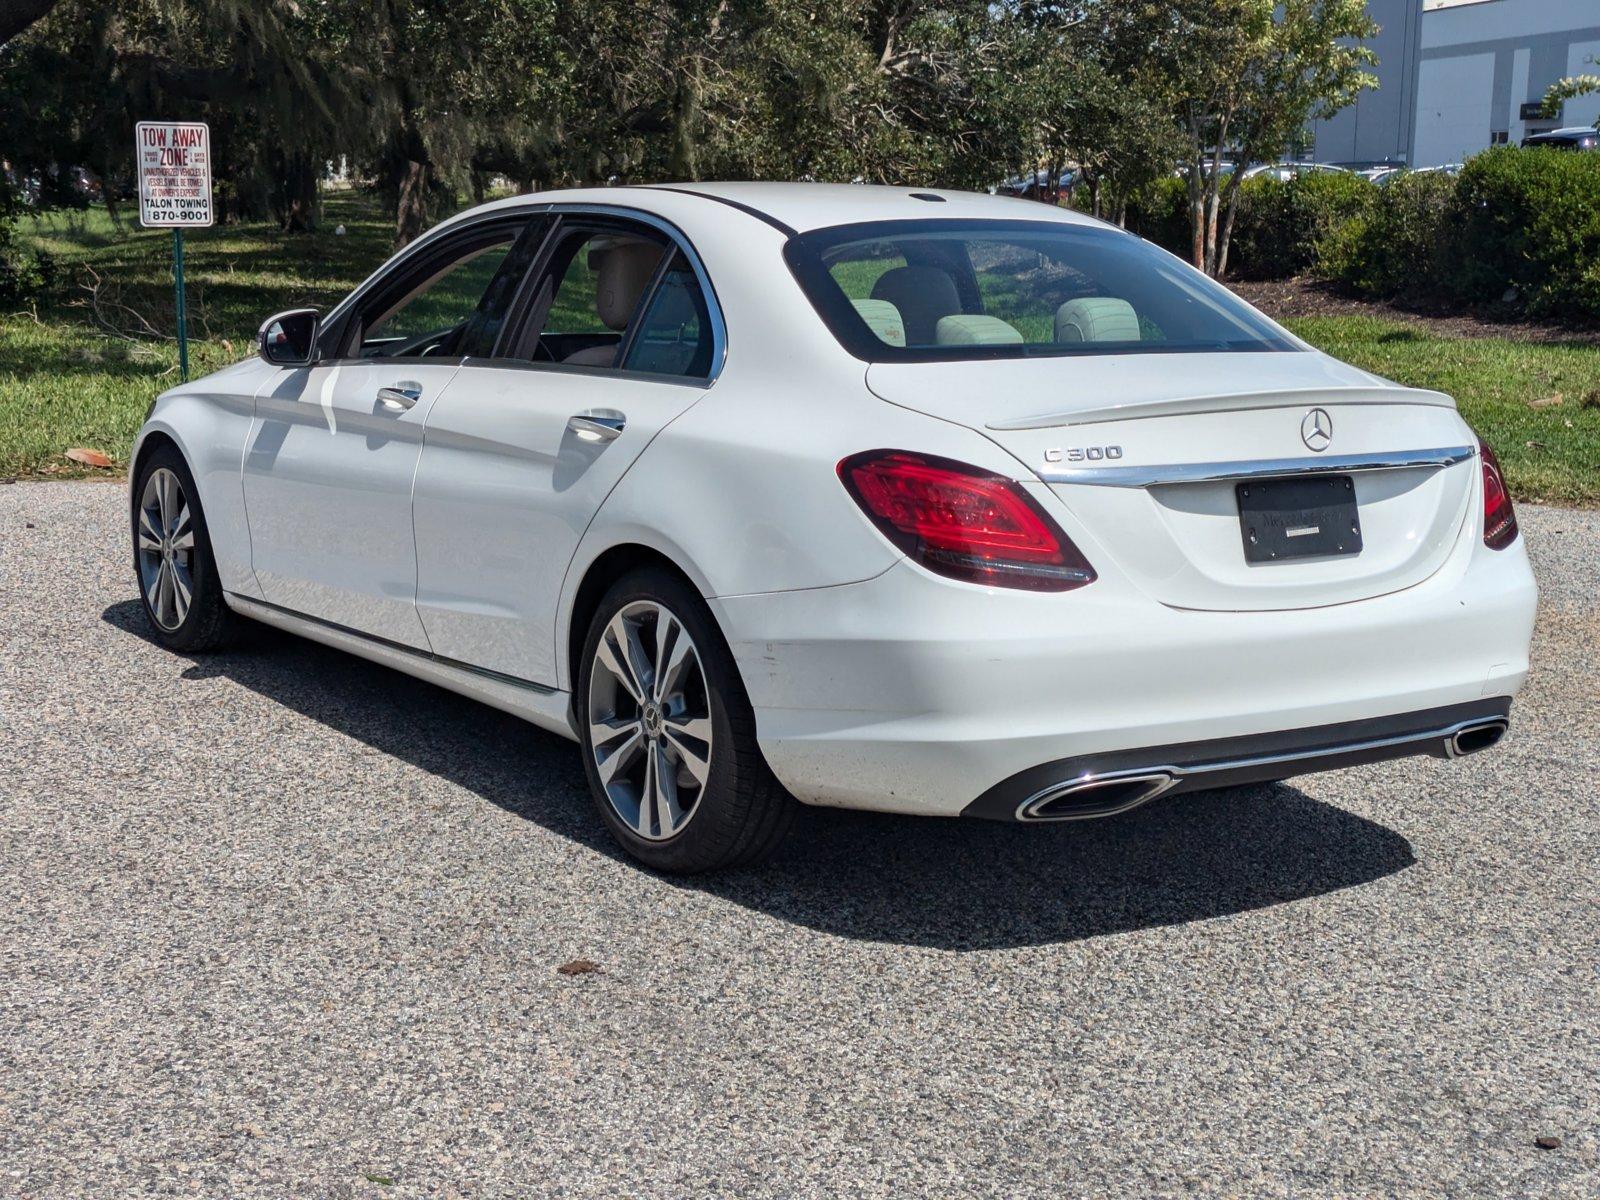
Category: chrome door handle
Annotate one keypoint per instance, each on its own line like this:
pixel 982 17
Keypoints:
pixel 597 427
pixel 400 396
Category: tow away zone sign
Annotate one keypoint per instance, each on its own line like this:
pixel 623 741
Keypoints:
pixel 174 173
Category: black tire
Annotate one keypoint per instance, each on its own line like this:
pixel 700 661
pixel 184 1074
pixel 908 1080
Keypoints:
pixel 207 623
pixel 742 812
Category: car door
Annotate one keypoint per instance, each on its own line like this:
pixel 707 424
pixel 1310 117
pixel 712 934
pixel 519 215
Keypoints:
pixel 619 334
pixel 333 450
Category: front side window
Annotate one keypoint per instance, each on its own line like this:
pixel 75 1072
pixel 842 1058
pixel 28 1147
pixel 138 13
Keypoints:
pixel 426 314
pixel 898 291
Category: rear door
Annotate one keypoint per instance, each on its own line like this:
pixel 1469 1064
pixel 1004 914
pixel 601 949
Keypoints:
pixel 617 334
pixel 333 450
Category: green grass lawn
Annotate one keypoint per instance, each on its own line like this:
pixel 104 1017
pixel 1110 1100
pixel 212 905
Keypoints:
pixel 1550 452
pixel 67 380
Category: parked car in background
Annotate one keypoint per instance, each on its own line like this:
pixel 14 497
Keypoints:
pixel 1577 137
pixel 1373 169
pixel 1388 177
pixel 1285 171
pixel 867 497
pixel 1042 185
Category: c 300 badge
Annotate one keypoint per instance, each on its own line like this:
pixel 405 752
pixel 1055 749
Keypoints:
pixel 1083 454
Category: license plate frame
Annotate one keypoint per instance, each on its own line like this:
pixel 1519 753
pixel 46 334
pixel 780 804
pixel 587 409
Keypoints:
pixel 1306 517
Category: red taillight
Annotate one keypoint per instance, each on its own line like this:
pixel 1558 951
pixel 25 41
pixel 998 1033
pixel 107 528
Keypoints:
pixel 1499 518
pixel 964 522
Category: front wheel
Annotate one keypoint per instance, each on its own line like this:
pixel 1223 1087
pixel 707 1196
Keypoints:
pixel 177 573
pixel 668 733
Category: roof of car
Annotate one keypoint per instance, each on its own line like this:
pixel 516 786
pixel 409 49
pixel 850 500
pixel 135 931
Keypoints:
pixel 793 208
pixel 805 206
pixel 1571 131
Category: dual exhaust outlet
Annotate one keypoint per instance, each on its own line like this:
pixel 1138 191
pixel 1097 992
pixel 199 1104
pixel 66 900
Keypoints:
pixel 1106 795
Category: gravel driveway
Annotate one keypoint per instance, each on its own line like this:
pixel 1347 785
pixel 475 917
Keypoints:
pixel 281 923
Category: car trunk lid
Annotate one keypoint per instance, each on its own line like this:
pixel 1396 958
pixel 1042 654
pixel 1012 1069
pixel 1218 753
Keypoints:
pixel 1151 454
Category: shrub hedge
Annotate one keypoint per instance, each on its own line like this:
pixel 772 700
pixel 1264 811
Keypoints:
pixel 1519 225
pixel 1284 228
pixel 1395 248
pixel 1527 220
pixel 24 276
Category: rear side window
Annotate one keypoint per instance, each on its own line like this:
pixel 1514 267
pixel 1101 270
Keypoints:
pixel 617 295
pixel 673 335
pixel 900 291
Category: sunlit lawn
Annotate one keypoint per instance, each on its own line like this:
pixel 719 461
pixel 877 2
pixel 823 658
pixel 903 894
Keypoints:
pixel 83 372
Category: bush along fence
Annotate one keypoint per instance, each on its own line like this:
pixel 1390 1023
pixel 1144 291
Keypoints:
pixel 1515 226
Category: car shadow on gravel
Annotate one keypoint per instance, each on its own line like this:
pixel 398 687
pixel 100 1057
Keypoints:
pixel 946 884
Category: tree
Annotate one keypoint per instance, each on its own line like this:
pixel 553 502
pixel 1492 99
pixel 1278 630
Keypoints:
pixel 1244 77
pixel 18 15
pixel 74 85
pixel 1568 89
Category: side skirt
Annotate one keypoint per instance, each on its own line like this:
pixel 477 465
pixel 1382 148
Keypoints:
pixel 547 707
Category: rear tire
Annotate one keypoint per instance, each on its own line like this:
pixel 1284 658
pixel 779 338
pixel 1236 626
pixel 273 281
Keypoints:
pixel 172 560
pixel 669 740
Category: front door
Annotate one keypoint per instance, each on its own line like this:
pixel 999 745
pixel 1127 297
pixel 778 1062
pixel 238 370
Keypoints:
pixel 522 449
pixel 333 450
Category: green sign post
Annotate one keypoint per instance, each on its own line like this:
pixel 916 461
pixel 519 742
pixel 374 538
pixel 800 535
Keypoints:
pixel 183 317
pixel 174 192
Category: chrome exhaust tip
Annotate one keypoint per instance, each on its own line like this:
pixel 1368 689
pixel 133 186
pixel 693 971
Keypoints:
pixel 1474 738
pixel 1094 796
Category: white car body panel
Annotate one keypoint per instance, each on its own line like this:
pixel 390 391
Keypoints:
pixel 327 480
pixel 209 420
pixel 911 693
pixel 505 490
pixel 452 540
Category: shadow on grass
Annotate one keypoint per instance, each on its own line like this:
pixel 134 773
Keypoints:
pixel 954 885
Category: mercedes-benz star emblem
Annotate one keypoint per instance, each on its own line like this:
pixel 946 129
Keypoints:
pixel 1316 431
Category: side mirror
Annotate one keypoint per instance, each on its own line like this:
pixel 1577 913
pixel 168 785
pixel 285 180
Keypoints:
pixel 290 338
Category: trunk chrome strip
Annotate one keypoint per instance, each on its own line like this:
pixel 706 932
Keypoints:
pixel 1214 472
pixel 1225 402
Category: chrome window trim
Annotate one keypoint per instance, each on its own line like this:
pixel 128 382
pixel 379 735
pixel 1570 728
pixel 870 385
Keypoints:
pixel 1215 472
pixel 719 328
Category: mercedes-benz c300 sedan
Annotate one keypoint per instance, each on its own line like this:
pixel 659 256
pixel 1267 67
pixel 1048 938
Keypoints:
pixel 914 501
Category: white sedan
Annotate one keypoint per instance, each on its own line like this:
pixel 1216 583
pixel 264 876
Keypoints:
pixel 906 500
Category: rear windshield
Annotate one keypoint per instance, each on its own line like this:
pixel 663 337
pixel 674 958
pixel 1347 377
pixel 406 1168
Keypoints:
pixel 918 291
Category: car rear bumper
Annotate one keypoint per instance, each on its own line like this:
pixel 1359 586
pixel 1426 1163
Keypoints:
pixel 911 693
pixel 1103 785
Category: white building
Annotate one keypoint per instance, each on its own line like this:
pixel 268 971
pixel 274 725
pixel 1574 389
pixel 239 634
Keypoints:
pixel 1456 76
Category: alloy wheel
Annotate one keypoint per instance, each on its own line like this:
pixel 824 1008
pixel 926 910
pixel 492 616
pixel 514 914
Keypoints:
pixel 650 720
pixel 166 549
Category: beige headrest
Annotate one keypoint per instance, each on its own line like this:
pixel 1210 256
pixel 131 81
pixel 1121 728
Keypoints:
pixel 972 329
pixel 624 269
pixel 1097 319
pixel 883 319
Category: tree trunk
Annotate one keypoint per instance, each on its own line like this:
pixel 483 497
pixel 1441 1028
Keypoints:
pixel 1225 238
pixel 411 210
pixel 1197 213
pixel 300 194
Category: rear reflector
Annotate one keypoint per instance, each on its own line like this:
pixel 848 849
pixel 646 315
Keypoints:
pixel 964 522
pixel 1499 518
